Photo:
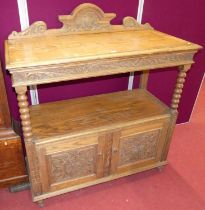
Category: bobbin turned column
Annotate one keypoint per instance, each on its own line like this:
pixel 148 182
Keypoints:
pixel 174 105
pixel 34 176
pixel 24 113
pixel 179 86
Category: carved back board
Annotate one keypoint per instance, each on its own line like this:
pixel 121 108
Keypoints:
pixel 84 18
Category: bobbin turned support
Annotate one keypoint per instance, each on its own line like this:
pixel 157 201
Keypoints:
pixel 24 112
pixel 27 133
pixel 179 86
pixel 174 105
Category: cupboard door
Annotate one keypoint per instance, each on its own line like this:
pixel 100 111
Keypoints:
pixel 139 146
pixel 70 162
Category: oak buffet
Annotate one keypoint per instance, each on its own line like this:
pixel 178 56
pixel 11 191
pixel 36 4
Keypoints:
pixel 80 142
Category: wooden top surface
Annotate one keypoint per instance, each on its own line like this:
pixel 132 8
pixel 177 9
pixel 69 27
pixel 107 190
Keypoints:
pixel 94 113
pixel 46 50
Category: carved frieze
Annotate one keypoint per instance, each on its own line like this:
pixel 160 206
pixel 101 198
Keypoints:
pixel 62 72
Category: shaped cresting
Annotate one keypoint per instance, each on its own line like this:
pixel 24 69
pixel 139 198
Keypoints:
pixel 86 17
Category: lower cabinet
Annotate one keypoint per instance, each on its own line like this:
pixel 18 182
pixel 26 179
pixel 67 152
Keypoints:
pixel 89 158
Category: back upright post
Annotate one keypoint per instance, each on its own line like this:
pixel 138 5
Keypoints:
pixel 144 79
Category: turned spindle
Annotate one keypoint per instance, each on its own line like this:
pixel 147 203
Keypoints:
pixel 27 133
pixel 24 113
pixel 179 86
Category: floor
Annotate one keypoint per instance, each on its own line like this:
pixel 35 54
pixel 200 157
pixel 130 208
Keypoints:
pixel 179 186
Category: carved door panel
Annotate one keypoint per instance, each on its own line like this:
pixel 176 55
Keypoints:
pixel 70 162
pixel 138 146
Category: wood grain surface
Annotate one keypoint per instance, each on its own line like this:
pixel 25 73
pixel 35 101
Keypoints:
pixel 12 165
pixel 80 47
pixel 94 113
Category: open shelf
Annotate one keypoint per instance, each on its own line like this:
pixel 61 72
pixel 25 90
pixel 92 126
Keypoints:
pixel 94 113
